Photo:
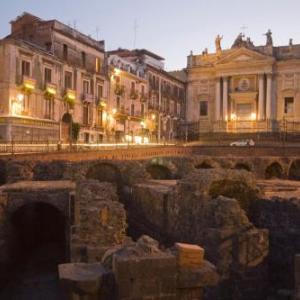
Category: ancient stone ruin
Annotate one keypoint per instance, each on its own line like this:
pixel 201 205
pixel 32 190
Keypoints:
pixel 164 228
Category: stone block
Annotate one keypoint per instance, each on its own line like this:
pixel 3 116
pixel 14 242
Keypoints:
pixel 193 278
pixel 189 256
pixel 81 279
pixel 142 277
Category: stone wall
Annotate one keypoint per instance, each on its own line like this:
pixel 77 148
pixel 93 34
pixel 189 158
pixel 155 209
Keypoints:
pixel 184 211
pixel 282 218
pixel 100 221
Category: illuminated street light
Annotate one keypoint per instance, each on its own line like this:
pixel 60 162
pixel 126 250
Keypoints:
pixel 114 111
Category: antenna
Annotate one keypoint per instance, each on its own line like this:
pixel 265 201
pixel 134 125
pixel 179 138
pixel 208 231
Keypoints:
pixel 74 24
pixel 135 29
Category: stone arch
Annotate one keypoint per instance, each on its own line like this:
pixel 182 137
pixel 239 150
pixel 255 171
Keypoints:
pixel 159 172
pixel 204 165
pixel 294 170
pixel 243 166
pixel 53 170
pixel 274 170
pixel 37 231
pixel 105 172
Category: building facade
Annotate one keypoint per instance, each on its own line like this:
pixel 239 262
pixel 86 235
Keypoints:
pixel 129 119
pixel 246 88
pixel 164 103
pixel 52 80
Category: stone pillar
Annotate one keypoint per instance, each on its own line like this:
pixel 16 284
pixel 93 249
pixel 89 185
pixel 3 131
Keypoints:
pixel 225 98
pixel 218 99
pixel 269 97
pixel 261 98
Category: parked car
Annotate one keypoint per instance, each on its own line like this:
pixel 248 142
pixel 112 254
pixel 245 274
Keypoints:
pixel 243 143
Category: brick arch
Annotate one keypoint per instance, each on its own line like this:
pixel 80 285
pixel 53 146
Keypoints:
pixel 241 165
pixel 274 170
pixel 294 170
pixel 158 171
pixel 105 172
pixel 205 164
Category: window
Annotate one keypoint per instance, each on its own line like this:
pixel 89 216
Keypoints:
pixel 48 75
pixel 143 90
pixel 98 65
pixel 48 46
pixel 132 86
pixel 26 68
pixel 203 108
pixel 68 80
pixel 83 59
pixel 289 105
pixel 85 120
pixel 86 87
pixel 99 91
pixel 118 103
pixel 132 110
pixel 49 103
pixel 65 52
pixel 142 109
pixel 100 117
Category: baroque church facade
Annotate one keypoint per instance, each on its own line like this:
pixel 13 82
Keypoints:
pixel 246 88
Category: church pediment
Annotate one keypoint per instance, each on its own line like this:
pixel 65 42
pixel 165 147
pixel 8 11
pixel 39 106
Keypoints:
pixel 243 55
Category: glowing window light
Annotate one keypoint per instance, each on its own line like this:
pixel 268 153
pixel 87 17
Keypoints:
pixel 138 139
pixel 253 116
pixel 233 116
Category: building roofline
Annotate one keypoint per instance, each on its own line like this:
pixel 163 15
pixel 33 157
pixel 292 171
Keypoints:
pixel 165 73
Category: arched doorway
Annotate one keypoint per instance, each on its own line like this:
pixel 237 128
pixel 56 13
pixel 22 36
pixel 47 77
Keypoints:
pixel 242 166
pixel 274 170
pixel 204 165
pixel 38 231
pixel 36 244
pixel 159 172
pixel 66 127
pixel 294 171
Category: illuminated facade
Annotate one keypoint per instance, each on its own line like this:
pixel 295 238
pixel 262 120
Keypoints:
pixel 52 78
pixel 164 98
pixel 246 88
pixel 129 119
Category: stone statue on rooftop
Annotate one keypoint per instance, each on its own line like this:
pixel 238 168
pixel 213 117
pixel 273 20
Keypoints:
pixel 269 38
pixel 218 43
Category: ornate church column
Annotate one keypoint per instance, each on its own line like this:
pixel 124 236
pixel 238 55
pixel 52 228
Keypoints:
pixel 225 98
pixel 261 98
pixel 218 99
pixel 269 97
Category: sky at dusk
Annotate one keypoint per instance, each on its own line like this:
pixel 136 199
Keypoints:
pixel 170 28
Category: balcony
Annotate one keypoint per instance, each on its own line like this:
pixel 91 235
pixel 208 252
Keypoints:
pixel 70 97
pixel 143 98
pixel 50 89
pixel 134 94
pixel 102 102
pixel 28 84
pixel 88 98
pixel 119 90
